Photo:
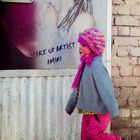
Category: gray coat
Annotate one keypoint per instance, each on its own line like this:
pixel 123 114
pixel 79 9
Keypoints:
pixel 96 92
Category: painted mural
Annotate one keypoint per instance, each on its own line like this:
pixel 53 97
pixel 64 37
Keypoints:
pixel 43 34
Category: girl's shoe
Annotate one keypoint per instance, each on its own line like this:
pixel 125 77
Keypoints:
pixel 123 138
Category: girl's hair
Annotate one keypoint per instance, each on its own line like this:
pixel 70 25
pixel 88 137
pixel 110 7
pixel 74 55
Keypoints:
pixel 78 7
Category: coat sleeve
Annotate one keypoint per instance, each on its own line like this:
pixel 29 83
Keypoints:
pixel 71 102
pixel 105 89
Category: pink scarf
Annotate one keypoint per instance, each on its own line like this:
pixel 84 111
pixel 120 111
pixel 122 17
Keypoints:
pixel 85 60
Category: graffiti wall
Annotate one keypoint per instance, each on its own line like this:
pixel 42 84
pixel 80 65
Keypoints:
pixel 42 34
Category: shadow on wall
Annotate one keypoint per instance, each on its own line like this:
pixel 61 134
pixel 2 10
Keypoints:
pixel 10 56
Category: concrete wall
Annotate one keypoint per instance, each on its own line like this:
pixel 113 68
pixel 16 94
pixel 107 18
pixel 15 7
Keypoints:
pixel 126 66
pixel 32 107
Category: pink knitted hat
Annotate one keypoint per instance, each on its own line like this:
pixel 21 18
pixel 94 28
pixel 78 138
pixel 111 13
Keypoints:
pixel 93 39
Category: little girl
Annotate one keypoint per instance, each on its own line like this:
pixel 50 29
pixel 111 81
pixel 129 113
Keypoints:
pixel 93 93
